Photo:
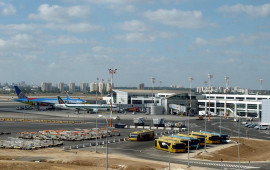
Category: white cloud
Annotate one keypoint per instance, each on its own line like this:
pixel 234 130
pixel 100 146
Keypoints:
pixel 178 18
pixel 145 37
pixel 7 9
pixel 119 1
pixel 102 49
pixel 80 27
pixel 261 11
pixel 240 39
pixel 19 42
pixel 59 14
pixel 122 8
pixel 19 27
pixel 66 40
pixel 136 37
pixel 134 26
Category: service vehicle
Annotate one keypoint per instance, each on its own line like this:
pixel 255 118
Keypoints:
pixel 170 145
pixel 223 137
pixel 142 135
pixel 210 138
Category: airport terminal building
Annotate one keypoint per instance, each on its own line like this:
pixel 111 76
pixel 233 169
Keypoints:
pixel 245 105
pixel 175 102
pixel 160 102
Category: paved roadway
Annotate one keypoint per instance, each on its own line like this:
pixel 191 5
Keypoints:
pixel 135 149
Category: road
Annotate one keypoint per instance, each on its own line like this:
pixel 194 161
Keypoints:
pixel 135 149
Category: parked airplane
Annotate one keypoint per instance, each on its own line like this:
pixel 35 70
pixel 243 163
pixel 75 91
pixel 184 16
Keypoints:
pixel 42 101
pixel 88 107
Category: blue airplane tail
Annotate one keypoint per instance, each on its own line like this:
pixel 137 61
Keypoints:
pixel 19 93
pixel 68 98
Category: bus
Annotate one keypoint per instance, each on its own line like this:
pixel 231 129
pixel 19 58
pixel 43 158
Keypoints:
pixel 194 143
pixel 223 138
pixel 185 141
pixel 175 146
pixel 201 139
pixel 142 135
pixel 210 138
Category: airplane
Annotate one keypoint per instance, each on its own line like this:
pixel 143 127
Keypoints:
pixel 88 107
pixel 42 101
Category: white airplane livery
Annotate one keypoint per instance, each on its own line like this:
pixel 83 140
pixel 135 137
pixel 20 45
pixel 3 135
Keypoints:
pixel 89 107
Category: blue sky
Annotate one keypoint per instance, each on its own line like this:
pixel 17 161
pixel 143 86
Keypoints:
pixel 171 40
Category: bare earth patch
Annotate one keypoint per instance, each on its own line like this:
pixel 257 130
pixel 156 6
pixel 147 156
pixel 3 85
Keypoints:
pixel 47 159
pixel 250 149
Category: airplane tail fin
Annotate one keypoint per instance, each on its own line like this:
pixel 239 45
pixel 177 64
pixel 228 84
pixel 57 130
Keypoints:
pixel 68 98
pixel 60 100
pixel 19 93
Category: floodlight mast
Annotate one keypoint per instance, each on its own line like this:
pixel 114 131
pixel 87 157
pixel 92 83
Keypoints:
pixel 261 81
pixel 153 79
pixel 112 72
pixel 210 76
pixel 190 79
pixel 96 113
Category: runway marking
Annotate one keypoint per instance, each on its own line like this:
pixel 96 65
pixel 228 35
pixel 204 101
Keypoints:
pixel 224 165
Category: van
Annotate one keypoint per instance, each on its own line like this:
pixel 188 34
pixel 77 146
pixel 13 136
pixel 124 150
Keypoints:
pixel 262 127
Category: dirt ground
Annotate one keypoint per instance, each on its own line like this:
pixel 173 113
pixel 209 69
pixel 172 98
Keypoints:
pixel 56 159
pixel 250 150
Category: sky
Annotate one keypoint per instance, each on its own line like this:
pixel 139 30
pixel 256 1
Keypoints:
pixel 171 40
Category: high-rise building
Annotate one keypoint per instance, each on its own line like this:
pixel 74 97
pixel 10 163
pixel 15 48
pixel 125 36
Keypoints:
pixel 108 87
pixel 71 87
pixel 61 87
pixel 101 87
pixel 141 86
pixel 46 86
pixel 83 87
pixel 93 87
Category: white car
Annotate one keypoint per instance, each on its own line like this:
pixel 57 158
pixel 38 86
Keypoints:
pixel 262 127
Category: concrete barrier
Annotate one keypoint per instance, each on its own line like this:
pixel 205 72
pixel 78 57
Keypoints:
pixel 80 146
pixel 160 128
pixel 132 126
pixel 73 146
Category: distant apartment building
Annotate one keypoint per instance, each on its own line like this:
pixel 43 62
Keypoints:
pixel 93 87
pixel 101 87
pixel 71 87
pixel 108 87
pixel 141 86
pixel 61 87
pixel 46 86
pixel 83 87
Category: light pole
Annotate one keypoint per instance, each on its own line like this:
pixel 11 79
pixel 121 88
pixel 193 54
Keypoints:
pixel 112 72
pixel 165 144
pixel 106 140
pixel 210 76
pixel 190 79
pixel 239 143
pixel 261 81
pixel 153 79
pixel 96 113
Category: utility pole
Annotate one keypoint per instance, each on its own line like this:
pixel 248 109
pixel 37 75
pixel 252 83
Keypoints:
pixel 153 81
pixel 190 79
pixel 112 72
pixel 96 114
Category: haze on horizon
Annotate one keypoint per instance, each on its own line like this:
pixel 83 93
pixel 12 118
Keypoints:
pixel 171 40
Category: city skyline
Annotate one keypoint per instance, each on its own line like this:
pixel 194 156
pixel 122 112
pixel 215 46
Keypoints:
pixel 79 40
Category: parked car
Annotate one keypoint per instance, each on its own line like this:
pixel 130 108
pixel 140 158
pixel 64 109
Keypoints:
pixel 253 125
pixel 248 124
